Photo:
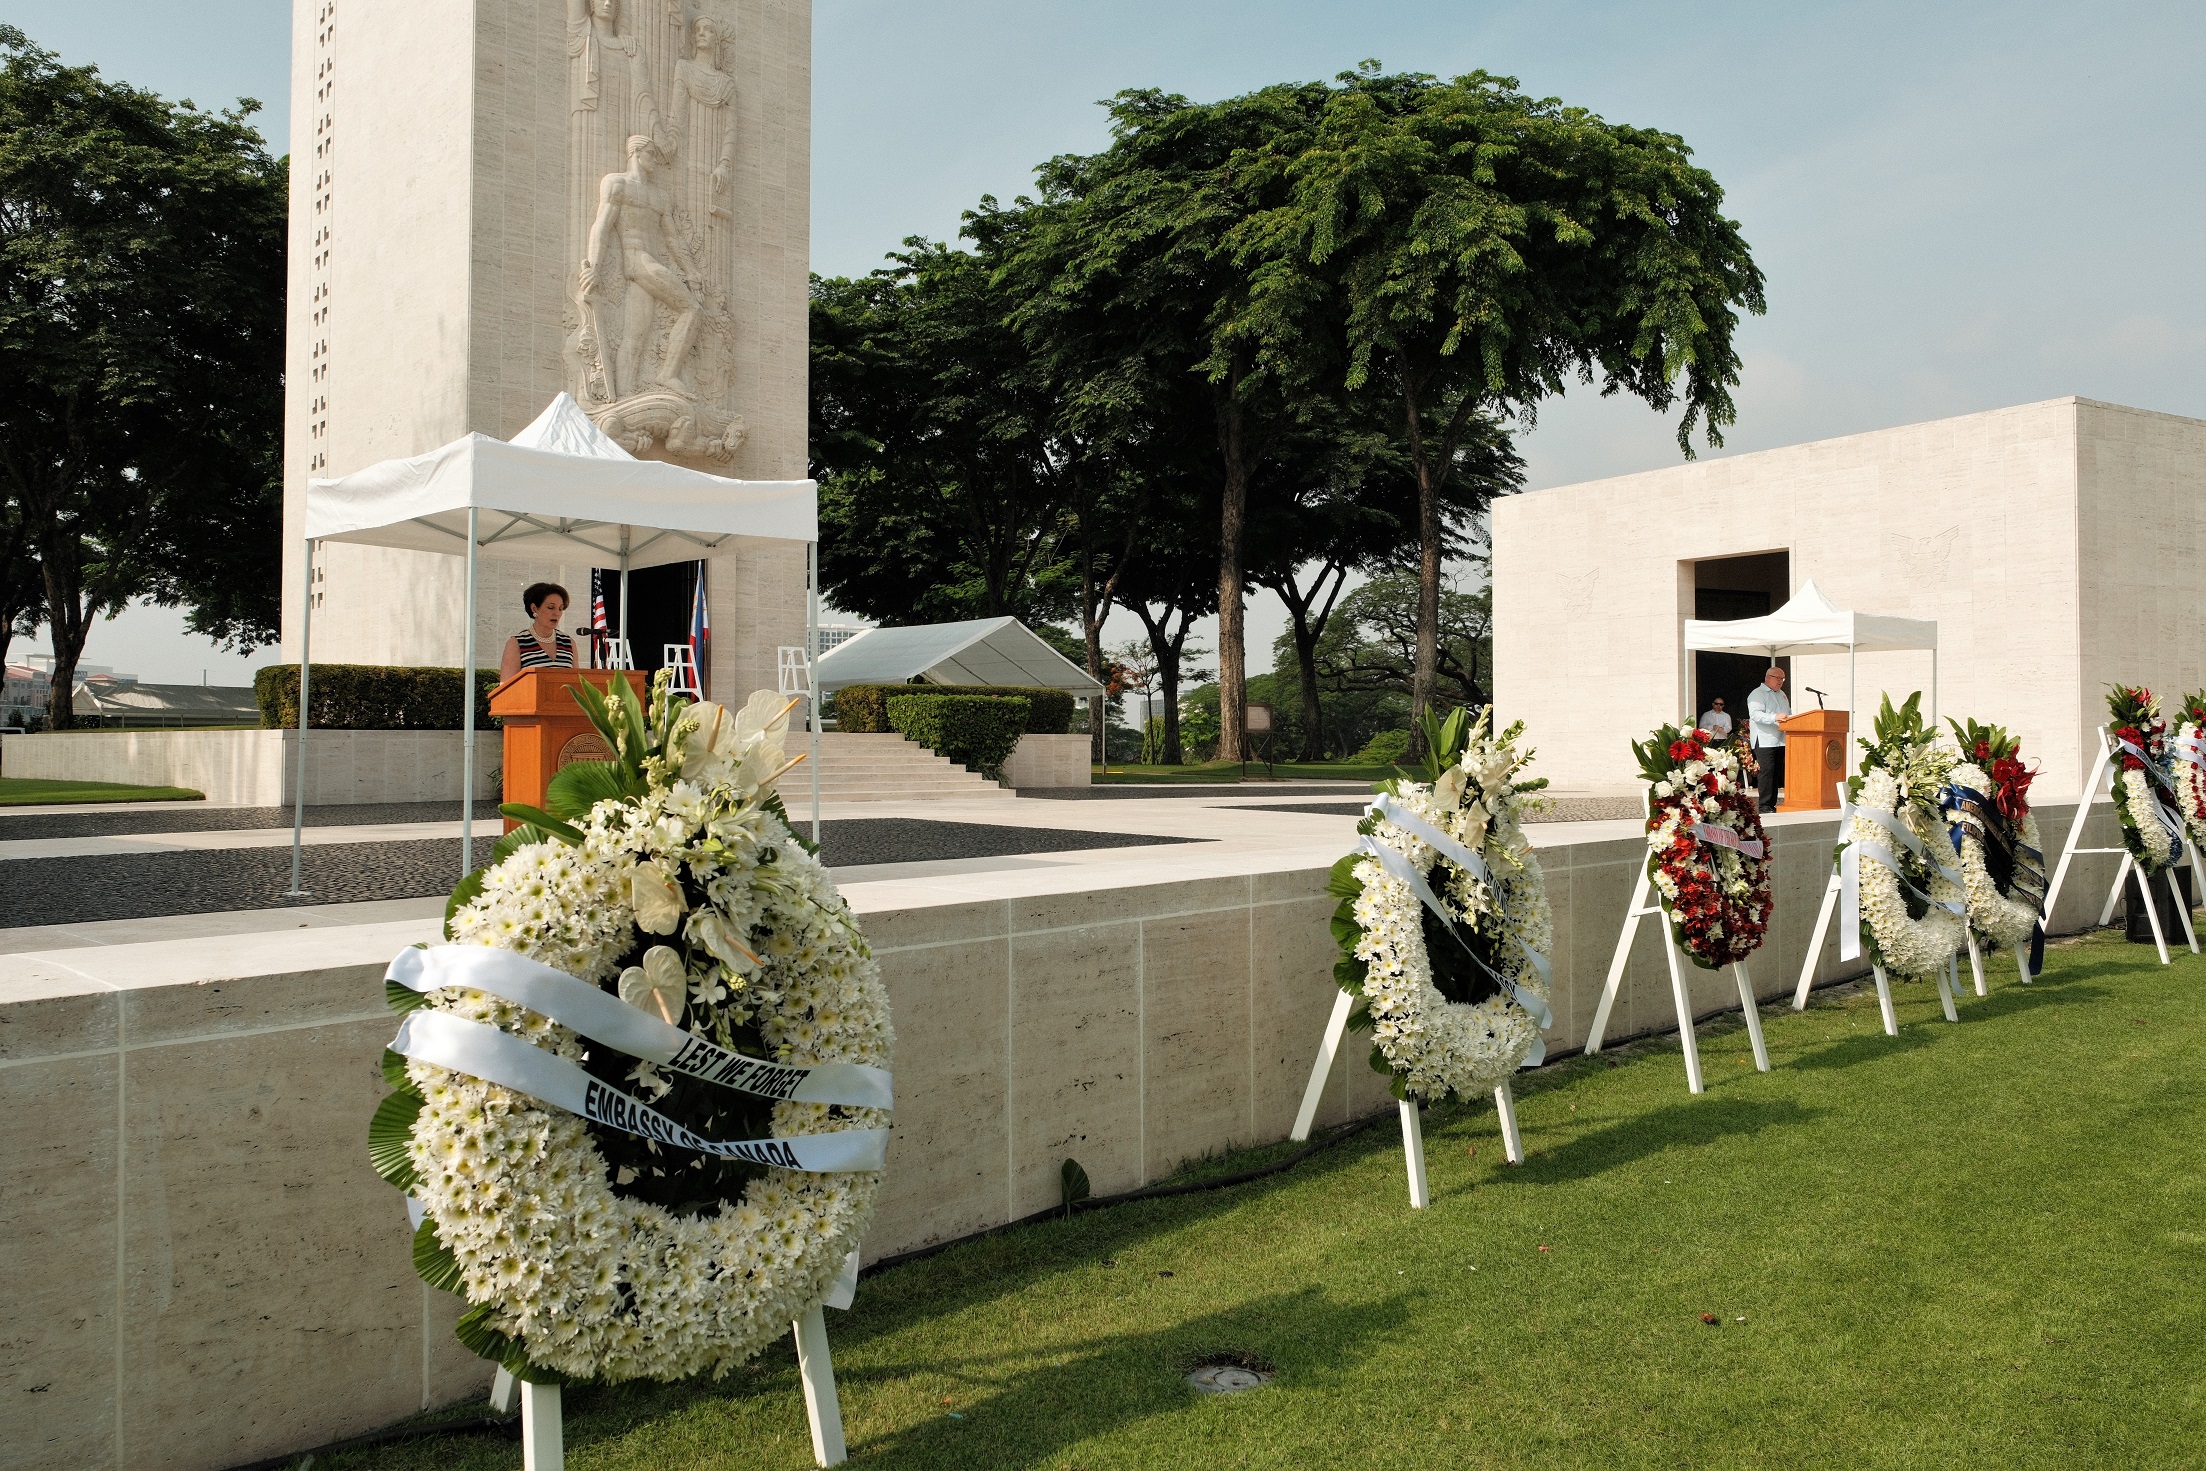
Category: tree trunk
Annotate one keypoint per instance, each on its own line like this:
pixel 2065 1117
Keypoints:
pixel 1091 628
pixel 1310 618
pixel 1166 649
pixel 1232 582
pixel 1425 664
pixel 68 622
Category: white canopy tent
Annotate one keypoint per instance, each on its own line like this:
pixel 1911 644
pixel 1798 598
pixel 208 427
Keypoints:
pixel 998 651
pixel 560 489
pixel 1811 624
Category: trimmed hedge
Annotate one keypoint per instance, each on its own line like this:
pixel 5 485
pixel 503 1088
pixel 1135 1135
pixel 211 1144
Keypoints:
pixel 978 731
pixel 863 708
pixel 372 697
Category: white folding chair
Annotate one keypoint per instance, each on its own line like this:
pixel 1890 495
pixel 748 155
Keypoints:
pixel 682 659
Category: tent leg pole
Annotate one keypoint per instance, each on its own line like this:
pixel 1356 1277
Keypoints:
pixel 1851 734
pixel 467 714
pixel 625 638
pixel 306 651
pixel 811 669
pixel 1934 689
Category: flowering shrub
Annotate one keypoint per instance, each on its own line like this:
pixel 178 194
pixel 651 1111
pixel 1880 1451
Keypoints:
pixel 668 876
pixel 1707 854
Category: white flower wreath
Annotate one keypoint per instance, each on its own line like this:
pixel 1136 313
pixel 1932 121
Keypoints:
pixel 1911 905
pixel 1403 894
pixel 584 1250
pixel 2007 918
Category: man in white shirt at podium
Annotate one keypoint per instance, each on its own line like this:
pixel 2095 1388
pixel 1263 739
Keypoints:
pixel 1764 708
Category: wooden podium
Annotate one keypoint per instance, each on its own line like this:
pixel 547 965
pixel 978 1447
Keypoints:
pixel 1815 759
pixel 546 729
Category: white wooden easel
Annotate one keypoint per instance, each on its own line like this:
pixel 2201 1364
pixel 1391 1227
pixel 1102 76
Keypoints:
pixel 543 1445
pixel 1643 905
pixel 2100 767
pixel 1413 1128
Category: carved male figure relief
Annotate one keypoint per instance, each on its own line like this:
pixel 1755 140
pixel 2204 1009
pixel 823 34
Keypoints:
pixel 635 217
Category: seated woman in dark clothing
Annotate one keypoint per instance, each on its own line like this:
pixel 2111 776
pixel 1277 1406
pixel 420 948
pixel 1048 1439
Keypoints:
pixel 541 645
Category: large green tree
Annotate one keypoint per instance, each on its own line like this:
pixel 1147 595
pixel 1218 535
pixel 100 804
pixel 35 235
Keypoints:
pixel 1140 259
pixel 931 440
pixel 141 351
pixel 1476 249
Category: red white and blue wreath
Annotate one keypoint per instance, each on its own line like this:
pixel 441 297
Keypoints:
pixel 1707 855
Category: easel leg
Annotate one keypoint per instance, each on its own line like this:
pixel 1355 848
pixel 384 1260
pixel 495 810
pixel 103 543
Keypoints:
pixel 1328 1048
pixel 1976 965
pixel 2022 963
pixel 1685 1036
pixel 1505 1108
pixel 2091 786
pixel 1951 970
pixel 1619 960
pixel 1413 1154
pixel 1815 945
pixel 542 1447
pixel 503 1387
pixel 817 1372
pixel 2121 877
pixel 1884 1002
pixel 2175 891
pixel 2152 912
pixel 1753 1011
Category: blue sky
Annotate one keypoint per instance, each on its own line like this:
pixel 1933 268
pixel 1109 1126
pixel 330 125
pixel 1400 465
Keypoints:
pixel 1959 206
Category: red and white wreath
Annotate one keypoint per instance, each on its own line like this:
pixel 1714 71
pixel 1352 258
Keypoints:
pixel 1706 852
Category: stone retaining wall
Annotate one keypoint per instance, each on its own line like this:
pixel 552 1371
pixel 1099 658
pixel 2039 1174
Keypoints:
pixel 259 768
pixel 204 1271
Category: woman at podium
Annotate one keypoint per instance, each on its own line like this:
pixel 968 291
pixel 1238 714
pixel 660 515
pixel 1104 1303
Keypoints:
pixel 541 645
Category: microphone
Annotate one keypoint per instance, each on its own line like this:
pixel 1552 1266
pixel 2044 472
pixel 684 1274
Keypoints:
pixel 1811 689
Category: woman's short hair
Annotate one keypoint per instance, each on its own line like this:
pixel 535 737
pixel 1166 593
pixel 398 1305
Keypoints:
pixel 534 597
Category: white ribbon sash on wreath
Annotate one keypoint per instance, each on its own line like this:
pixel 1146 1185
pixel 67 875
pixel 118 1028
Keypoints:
pixel 1724 837
pixel 2189 748
pixel 582 1007
pixel 480 1051
pixel 1397 864
pixel 1849 872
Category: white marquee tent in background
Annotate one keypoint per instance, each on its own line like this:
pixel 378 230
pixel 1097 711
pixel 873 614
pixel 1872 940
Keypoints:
pixel 560 490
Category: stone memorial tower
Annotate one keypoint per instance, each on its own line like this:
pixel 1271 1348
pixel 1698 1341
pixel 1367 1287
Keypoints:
pixel 495 200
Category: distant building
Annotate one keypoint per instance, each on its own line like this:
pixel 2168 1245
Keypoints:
pixel 111 702
pixel 835 635
pixel 23 694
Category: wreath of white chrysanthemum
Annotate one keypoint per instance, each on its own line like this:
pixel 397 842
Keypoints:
pixel 2007 921
pixel 2138 807
pixel 1905 945
pixel 564 1273
pixel 1433 1045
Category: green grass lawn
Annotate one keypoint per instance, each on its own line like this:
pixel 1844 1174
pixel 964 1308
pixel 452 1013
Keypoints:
pixel 1213 771
pixel 1971 1245
pixel 28 791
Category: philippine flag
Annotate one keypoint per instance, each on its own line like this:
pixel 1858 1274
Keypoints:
pixel 700 633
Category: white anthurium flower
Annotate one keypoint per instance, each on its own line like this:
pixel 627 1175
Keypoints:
pixel 660 985
pixel 1475 822
pixel 711 737
pixel 1448 790
pixel 712 931
pixel 1491 766
pixel 657 900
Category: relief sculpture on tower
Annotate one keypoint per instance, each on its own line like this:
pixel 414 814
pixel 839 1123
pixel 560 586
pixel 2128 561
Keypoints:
pixel 651 166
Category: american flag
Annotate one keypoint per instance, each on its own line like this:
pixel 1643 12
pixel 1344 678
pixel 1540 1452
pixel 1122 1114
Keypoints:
pixel 599 632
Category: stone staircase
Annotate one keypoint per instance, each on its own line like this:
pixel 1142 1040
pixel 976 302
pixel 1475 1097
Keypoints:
pixel 882 768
